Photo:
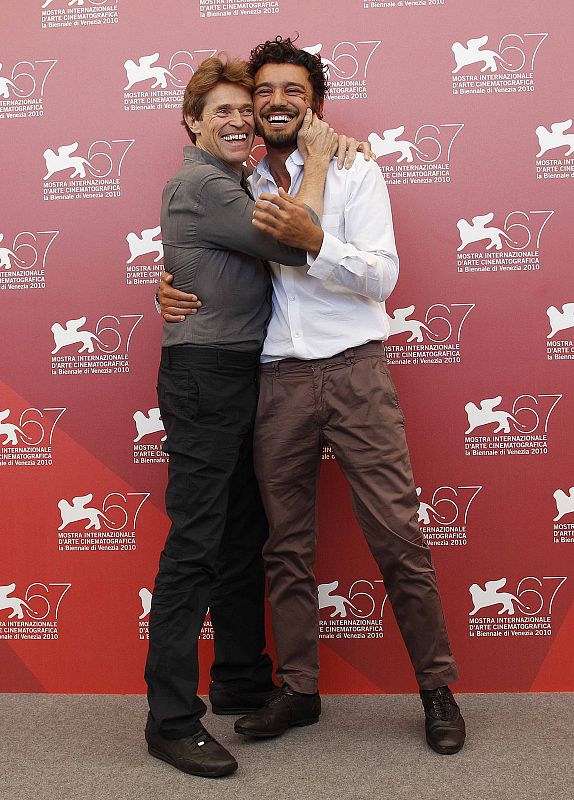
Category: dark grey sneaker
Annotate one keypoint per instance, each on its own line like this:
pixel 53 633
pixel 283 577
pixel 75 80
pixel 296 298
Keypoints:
pixel 444 725
pixel 198 754
pixel 287 709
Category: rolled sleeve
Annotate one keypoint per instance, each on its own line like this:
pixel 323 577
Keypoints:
pixel 364 260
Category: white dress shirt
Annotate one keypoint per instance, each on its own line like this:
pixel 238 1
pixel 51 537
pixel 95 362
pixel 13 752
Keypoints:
pixel 337 301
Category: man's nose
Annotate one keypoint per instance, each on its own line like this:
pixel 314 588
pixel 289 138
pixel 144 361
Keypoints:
pixel 236 119
pixel 278 98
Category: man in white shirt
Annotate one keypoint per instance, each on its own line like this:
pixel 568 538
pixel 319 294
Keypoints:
pixel 324 379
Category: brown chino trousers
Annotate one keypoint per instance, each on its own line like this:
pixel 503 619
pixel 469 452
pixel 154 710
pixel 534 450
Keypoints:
pixel 348 401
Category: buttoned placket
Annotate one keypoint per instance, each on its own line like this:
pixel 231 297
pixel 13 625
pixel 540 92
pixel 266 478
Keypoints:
pixel 288 276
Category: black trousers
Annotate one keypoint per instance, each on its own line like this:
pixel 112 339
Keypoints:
pixel 212 556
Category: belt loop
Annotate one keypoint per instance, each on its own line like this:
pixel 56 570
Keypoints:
pixel 349 356
pixel 167 353
pixel 276 368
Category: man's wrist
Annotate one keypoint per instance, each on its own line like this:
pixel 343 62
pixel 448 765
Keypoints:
pixel 317 166
pixel 316 243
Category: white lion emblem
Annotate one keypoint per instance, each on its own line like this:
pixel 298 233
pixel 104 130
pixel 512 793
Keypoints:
pixel 15 604
pixel 472 54
pixel 336 601
pixel 564 503
pixel 78 511
pixel 390 143
pixel 484 414
pixel 143 71
pixel 555 137
pixel 490 596
pixel 56 162
pixel 560 320
pixel 71 334
pixel 145 245
pixel 146 425
pixel 478 230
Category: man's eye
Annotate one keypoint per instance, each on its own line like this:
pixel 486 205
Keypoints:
pixel 222 112
pixel 247 112
pixel 262 91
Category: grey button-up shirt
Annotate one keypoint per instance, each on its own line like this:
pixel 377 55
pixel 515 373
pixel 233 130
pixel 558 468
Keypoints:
pixel 212 249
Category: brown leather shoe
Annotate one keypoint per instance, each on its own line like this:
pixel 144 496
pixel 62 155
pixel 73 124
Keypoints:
pixel 287 709
pixel 198 754
pixel 226 702
pixel 444 725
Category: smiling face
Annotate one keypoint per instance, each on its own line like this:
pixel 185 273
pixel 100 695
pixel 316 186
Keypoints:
pixel 226 127
pixel 282 95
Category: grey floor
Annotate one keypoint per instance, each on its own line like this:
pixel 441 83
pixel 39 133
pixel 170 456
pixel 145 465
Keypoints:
pixel 365 747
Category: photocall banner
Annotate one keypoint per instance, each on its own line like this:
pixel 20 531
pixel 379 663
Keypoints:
pixel 468 109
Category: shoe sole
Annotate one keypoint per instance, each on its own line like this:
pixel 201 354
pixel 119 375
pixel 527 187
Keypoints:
pixel 444 751
pixel 224 711
pixel 213 774
pixel 262 735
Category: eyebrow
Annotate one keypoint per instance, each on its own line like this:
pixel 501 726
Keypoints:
pixel 285 85
pixel 228 106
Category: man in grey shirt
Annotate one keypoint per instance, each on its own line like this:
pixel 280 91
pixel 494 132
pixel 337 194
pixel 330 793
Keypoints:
pixel 215 251
pixel 207 388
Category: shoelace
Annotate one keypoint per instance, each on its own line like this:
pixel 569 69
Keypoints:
pixel 442 705
pixel 278 696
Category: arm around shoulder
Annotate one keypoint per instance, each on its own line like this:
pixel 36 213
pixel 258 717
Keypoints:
pixel 226 211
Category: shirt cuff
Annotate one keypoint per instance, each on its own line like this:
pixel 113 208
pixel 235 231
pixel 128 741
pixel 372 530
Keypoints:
pixel 329 257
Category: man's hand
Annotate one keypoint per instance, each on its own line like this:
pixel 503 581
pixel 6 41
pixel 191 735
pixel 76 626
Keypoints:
pixel 316 140
pixel 347 149
pixel 175 305
pixel 286 219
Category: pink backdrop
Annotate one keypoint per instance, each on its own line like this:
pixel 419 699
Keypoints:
pixel 475 140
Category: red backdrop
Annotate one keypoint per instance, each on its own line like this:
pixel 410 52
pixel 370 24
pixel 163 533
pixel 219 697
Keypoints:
pixel 467 106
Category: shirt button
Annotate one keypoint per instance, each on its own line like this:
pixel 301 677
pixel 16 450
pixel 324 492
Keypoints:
pixel 297 335
pixel 292 297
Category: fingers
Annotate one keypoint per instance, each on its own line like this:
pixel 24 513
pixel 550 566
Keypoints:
pixel 281 200
pixel 341 150
pixel 167 292
pixel 263 219
pixel 347 148
pixel 262 225
pixel 365 149
pixel 307 122
pixel 172 317
pixel 178 313
pixel 351 153
pixel 179 305
pixel 287 197
pixel 166 277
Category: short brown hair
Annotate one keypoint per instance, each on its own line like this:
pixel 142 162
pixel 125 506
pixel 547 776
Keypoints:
pixel 209 73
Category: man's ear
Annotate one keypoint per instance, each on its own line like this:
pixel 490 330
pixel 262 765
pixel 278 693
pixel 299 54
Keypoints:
pixel 317 107
pixel 192 124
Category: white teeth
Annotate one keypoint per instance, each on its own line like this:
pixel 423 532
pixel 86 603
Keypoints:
pixel 235 137
pixel 277 118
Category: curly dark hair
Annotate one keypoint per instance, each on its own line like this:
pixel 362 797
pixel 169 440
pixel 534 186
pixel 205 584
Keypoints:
pixel 283 51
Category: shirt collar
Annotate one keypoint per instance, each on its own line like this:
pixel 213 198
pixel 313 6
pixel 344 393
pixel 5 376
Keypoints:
pixel 294 163
pixel 198 156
